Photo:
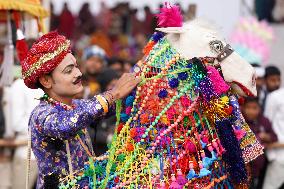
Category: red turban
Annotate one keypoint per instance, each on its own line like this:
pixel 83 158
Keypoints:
pixel 43 57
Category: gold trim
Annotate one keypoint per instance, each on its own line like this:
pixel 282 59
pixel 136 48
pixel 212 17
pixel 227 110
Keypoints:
pixel 103 102
pixel 45 58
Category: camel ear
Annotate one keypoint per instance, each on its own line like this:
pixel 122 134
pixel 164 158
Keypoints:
pixel 176 30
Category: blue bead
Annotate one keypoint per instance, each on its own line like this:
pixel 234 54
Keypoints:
pixel 183 76
pixel 124 117
pixel 129 101
pixel 163 93
pixel 173 83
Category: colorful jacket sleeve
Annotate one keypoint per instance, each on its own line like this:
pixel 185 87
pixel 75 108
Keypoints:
pixel 63 124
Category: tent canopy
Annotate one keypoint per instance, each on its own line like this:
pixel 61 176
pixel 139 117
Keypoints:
pixel 33 7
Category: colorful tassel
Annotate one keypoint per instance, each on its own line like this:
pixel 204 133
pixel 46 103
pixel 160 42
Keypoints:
pixel 174 184
pixel 233 154
pixel 181 180
pixel 162 185
pixel 203 171
pixel 191 174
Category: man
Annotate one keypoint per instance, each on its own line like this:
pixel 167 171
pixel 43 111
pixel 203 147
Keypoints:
pixel 94 62
pixel 23 101
pixel 59 138
pixel 262 128
pixel 272 80
pixel 274 111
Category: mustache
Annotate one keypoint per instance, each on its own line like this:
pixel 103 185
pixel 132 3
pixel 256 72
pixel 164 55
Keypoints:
pixel 78 79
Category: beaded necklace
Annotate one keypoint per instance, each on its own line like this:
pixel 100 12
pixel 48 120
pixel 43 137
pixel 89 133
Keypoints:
pixel 56 103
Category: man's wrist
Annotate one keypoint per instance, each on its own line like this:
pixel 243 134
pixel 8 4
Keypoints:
pixel 115 94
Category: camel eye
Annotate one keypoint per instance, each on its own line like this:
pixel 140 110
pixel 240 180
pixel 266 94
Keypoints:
pixel 216 46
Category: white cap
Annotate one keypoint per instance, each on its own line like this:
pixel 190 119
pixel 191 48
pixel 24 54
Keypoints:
pixel 260 71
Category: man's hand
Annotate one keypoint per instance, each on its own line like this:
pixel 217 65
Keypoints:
pixel 126 83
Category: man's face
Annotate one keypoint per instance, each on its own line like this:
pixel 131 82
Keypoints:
pixel 251 111
pixel 259 83
pixel 66 78
pixel 273 82
pixel 117 67
pixel 94 65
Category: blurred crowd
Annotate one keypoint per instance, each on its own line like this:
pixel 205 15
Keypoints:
pixel 107 45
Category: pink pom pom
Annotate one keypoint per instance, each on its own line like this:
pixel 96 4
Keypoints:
pixel 128 110
pixel 174 184
pixel 219 85
pixel 181 180
pixel 185 101
pixel 170 16
pixel 190 147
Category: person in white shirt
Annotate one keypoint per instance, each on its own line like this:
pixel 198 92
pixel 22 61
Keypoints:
pixel 23 100
pixel 274 111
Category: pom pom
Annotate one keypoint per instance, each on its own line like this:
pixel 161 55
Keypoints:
pixel 183 75
pixel 189 65
pixel 124 117
pixel 218 83
pixel 185 102
pixel 157 36
pixel 129 101
pixel 171 113
pixel 205 139
pixel 190 147
pixel 144 118
pixel 170 16
pixel 129 147
pixel 163 93
pixel 119 127
pixel 133 132
pixel 128 110
pixel 116 180
pixel 173 83
pixel 229 110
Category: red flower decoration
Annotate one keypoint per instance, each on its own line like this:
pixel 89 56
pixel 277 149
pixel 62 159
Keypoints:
pixel 129 147
pixel 144 118
pixel 133 133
